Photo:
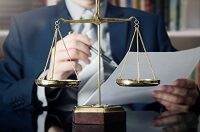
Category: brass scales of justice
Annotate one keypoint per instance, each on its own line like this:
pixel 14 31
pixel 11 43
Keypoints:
pixel 98 113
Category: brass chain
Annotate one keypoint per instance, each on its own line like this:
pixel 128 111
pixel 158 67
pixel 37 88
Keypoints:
pixel 138 37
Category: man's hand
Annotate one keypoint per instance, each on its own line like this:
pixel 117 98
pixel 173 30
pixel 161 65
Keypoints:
pixel 78 49
pixel 180 96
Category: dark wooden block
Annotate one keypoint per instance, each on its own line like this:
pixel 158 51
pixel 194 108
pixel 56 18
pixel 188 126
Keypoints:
pixel 99 115
pixel 119 127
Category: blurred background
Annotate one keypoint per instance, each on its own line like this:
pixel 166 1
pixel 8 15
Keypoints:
pixel 9 8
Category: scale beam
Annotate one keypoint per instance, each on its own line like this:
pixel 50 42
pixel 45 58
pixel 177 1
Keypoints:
pixel 98 20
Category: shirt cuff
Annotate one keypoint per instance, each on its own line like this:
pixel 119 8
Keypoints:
pixel 41 91
pixel 41 122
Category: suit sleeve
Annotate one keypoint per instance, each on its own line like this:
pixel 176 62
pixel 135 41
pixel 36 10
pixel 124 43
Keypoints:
pixel 16 90
pixel 163 40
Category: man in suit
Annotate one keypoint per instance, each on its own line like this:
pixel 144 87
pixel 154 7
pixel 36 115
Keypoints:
pixel 28 43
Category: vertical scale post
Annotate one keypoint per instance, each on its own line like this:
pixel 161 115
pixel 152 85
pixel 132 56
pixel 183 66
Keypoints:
pixel 99 52
pixel 99 65
pixel 138 61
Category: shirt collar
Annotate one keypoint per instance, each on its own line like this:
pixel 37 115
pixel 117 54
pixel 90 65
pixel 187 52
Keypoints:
pixel 76 11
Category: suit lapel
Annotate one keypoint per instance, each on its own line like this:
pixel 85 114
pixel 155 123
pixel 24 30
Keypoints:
pixel 62 12
pixel 118 34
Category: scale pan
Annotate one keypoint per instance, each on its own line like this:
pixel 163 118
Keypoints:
pixel 57 83
pixel 136 83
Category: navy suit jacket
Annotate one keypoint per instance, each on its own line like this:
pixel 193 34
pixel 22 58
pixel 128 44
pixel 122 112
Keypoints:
pixel 28 43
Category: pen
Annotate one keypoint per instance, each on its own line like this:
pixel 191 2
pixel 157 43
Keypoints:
pixel 105 58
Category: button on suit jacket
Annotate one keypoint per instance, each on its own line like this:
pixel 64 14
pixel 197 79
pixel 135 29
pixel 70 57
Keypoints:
pixel 28 43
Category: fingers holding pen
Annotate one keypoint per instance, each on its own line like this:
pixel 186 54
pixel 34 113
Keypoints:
pixel 78 48
pixel 75 41
pixel 74 55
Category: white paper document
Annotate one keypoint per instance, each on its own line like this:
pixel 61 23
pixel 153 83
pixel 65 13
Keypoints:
pixel 88 77
pixel 168 66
